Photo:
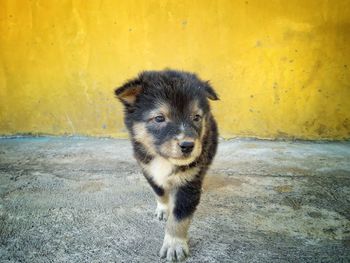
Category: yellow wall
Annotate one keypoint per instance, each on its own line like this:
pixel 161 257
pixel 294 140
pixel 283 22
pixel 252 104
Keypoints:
pixel 282 68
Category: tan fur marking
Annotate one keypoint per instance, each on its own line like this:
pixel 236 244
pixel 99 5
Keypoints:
pixel 162 109
pixel 181 178
pixel 194 155
pixel 164 199
pixel 196 109
pixel 174 227
pixel 204 130
pixel 129 95
pixel 143 137
pixel 161 171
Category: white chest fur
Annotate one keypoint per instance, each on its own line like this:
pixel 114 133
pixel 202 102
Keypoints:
pixel 160 169
pixel 162 172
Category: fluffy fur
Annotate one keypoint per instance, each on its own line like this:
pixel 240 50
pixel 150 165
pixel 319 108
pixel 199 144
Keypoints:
pixel 174 137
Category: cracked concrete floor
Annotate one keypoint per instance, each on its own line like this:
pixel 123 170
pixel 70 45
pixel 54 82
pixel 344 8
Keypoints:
pixel 85 200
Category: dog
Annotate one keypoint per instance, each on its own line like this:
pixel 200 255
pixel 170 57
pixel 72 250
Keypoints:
pixel 174 137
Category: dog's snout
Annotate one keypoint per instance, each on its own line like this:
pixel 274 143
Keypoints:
pixel 186 146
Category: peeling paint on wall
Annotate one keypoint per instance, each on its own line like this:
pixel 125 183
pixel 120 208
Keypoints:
pixel 281 68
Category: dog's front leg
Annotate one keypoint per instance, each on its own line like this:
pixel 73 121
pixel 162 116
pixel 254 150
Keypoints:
pixel 162 198
pixel 162 209
pixel 183 203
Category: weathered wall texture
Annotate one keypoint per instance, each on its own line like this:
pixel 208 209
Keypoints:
pixel 282 68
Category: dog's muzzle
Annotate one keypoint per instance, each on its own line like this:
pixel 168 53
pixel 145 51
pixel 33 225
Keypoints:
pixel 186 146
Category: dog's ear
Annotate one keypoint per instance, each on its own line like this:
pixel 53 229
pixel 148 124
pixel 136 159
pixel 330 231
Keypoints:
pixel 209 91
pixel 128 93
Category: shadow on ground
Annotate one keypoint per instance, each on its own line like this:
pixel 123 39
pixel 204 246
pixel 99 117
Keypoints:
pixel 85 200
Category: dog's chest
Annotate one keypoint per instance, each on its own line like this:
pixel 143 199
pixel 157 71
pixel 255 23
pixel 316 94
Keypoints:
pixel 160 169
pixel 163 173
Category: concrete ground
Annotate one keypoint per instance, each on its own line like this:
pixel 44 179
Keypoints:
pixel 85 200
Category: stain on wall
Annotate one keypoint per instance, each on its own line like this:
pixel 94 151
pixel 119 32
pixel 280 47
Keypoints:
pixel 282 68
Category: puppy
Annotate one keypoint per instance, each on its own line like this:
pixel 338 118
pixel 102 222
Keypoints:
pixel 174 137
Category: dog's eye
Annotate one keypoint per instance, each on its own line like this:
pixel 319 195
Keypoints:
pixel 197 117
pixel 159 118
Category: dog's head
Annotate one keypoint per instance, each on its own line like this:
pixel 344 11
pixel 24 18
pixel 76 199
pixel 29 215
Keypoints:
pixel 167 112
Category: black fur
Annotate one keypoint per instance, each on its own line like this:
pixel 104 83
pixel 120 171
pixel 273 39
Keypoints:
pixel 187 198
pixel 141 153
pixel 178 90
pixel 156 188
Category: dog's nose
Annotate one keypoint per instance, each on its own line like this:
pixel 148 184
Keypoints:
pixel 186 146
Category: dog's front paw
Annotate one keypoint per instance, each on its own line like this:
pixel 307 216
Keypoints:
pixel 174 249
pixel 161 212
